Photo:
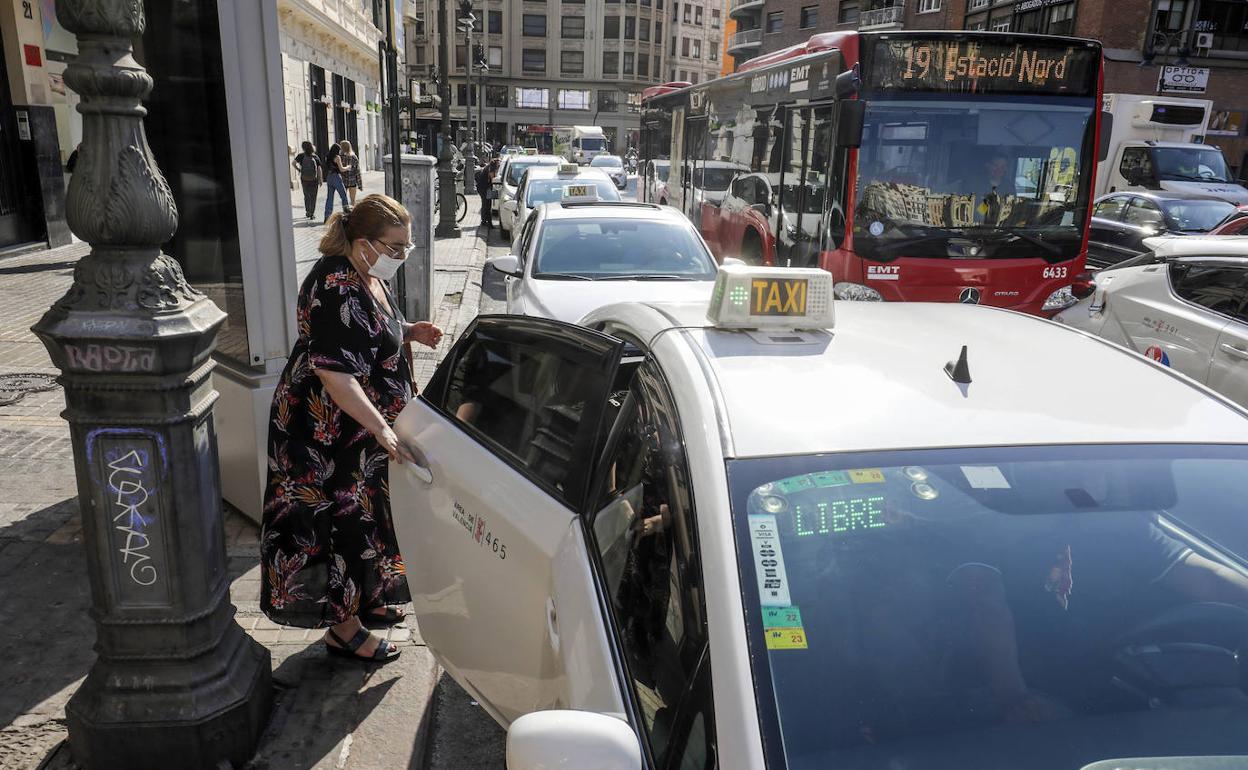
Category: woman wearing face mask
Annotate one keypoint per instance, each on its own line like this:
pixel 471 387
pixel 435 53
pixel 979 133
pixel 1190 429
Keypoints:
pixel 328 552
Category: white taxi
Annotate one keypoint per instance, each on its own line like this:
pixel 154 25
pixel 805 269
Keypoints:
pixel 1183 303
pixel 508 179
pixel 547 184
pixel 581 253
pixel 764 532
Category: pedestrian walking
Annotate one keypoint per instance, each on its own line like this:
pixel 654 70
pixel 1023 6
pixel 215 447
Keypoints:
pixel 333 179
pixel 485 182
pixel 350 164
pixel 311 175
pixel 329 558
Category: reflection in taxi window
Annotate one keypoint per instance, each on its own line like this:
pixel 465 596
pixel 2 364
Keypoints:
pixel 643 532
pixel 1031 608
pixel 601 248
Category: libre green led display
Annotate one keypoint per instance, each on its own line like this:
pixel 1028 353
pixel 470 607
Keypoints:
pixel 839 516
pixel 739 295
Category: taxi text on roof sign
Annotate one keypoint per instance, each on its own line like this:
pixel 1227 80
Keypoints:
pixel 771 298
pixel 580 193
pixel 568 168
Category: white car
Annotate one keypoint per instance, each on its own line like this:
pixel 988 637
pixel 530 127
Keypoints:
pixel 508 179
pixel 653 180
pixel 547 184
pixel 614 166
pixel 576 257
pixel 1183 303
pixel 798 536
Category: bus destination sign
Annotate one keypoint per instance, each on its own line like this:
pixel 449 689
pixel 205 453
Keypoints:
pixel 983 66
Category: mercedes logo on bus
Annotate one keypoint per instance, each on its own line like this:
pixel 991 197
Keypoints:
pixel 969 296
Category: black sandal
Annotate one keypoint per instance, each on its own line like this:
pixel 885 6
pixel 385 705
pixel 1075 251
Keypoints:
pixel 390 617
pixel 384 653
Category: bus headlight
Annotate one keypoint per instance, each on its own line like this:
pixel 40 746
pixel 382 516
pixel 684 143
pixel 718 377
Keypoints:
pixel 1059 300
pixel 856 292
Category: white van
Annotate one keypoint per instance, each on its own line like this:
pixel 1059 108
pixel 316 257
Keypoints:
pixel 587 143
pixel 1156 144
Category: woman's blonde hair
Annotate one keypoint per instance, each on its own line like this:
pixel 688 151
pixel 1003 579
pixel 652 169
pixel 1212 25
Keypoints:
pixel 345 144
pixel 369 218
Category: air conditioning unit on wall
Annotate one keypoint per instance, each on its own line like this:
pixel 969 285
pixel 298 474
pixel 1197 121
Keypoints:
pixel 1204 40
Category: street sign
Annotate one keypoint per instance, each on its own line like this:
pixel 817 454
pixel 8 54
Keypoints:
pixel 1182 80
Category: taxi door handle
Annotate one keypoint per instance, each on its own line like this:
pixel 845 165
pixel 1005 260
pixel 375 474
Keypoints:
pixel 1237 352
pixel 418 468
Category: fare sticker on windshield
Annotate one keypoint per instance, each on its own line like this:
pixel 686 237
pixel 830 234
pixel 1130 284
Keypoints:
pixel 773 581
pixel 782 617
pixel 785 638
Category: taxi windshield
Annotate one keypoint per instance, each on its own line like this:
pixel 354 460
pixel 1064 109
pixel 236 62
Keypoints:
pixel 619 248
pixel 516 168
pixel 947 178
pixel 1031 608
pixel 551 190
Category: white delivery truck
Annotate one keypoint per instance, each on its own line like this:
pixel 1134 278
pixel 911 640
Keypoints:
pixel 1156 144
pixel 587 142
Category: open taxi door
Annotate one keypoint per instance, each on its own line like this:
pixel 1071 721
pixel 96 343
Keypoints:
pixel 488 522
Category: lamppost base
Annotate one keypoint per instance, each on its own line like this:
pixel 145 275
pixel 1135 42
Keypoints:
pixel 205 709
pixel 447 231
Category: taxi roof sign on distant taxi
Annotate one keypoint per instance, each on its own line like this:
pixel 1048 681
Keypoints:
pixel 568 168
pixel 771 298
pixel 580 193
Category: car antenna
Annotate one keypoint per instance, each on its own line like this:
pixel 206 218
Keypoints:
pixel 959 371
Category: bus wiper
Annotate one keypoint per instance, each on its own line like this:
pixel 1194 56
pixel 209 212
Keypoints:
pixel 1021 235
pixel 562 277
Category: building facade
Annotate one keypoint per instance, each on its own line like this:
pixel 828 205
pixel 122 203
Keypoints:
pixel 551 65
pixel 696 41
pixel 331 74
pixel 1140 37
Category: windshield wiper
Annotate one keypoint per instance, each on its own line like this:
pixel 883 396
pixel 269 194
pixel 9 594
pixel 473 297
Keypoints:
pixel 646 277
pixel 1190 178
pixel 1020 234
pixel 562 277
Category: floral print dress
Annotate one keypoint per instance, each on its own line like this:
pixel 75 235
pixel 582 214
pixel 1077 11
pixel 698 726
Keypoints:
pixel 328 549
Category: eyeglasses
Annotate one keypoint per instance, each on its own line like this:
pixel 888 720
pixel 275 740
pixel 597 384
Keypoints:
pixel 398 250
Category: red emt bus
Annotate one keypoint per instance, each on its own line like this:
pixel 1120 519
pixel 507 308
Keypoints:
pixel 929 166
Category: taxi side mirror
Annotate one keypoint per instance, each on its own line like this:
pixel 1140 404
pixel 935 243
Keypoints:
pixel 507 264
pixel 573 739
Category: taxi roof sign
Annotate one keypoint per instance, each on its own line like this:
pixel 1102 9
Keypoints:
pixel 568 168
pixel 580 193
pixel 771 298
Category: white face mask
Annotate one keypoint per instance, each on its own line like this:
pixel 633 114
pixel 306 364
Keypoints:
pixel 386 267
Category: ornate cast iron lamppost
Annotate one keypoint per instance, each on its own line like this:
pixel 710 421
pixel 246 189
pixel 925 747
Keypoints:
pixel 177 682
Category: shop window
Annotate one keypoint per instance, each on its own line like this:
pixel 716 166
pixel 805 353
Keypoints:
pixel 573 99
pixel 533 98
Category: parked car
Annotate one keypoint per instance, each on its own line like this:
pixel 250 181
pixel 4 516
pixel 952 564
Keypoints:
pixel 544 184
pixel 1183 303
pixel 576 257
pixel 614 166
pixel 1121 221
pixel 508 179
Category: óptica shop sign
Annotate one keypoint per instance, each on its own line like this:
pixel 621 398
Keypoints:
pixel 1185 80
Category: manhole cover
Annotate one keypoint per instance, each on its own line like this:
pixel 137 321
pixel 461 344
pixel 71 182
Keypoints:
pixel 13 387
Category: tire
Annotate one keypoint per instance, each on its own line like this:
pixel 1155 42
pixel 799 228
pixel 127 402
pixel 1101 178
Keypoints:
pixel 752 248
pixel 461 207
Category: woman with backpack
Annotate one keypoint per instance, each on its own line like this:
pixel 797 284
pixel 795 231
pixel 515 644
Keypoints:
pixel 311 174
pixel 350 163
pixel 333 179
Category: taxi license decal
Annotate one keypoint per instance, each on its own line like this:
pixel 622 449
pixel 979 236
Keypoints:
pixel 795 484
pixel 830 478
pixel 985 477
pixel 782 617
pixel 867 476
pixel 773 581
pixel 778 296
pixel 786 638
pixel 479 531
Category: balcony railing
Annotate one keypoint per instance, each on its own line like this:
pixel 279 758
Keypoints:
pixel 750 38
pixel 891 16
pixel 741 6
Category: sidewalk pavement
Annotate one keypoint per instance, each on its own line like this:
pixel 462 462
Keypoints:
pixel 328 713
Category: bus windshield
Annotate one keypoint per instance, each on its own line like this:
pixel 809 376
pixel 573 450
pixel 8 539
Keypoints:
pixel 961 178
